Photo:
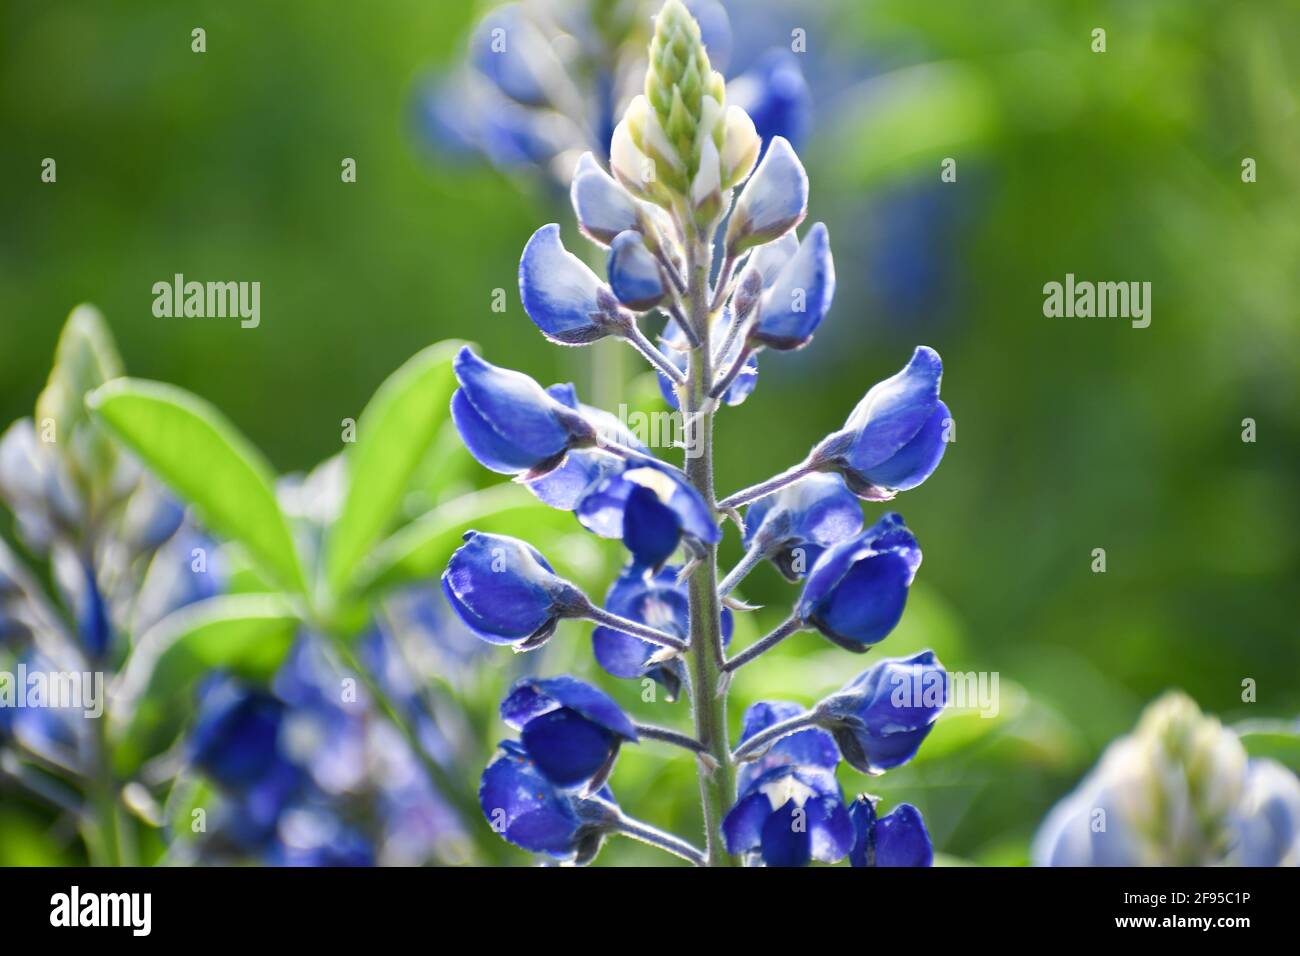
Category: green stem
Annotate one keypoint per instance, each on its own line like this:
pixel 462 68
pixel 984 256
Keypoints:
pixel 106 841
pixel 705 658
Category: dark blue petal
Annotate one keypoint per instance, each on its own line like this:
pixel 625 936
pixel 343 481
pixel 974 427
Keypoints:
pixel 515 796
pixel 902 840
pixel 593 704
pixel 489 447
pixel 775 95
pixel 867 603
pixel 742 827
pixel 651 530
pixel 567 747
pixel 786 839
pixel 881 717
pixel 501 587
pixel 236 733
pixel 807 749
pixel 917 460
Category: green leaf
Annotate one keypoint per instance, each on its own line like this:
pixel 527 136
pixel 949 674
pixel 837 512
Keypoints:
pixel 393 435
pixel 247 635
pixel 422 548
pixel 194 449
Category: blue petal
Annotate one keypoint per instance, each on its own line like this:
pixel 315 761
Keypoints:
pixel 236 734
pixel 651 530
pixel 515 407
pixel 513 793
pixel 807 749
pixel 830 827
pixel 893 411
pixel 603 207
pixel 775 95
pixel 917 460
pixel 786 839
pixel 633 272
pixel 560 294
pixel 567 748
pixel 772 202
pixel 500 587
pixel 742 827
pixel 564 487
pixel 593 704
pixel 800 297
pixel 902 840
pixel 520 67
pixel 489 447
pixel 867 603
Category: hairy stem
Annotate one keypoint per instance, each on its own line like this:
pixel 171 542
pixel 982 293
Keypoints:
pixel 791 625
pixel 658 838
pixel 635 628
pixel 668 736
pixel 705 658
pixel 765 488
pixel 752 559
pixel 757 745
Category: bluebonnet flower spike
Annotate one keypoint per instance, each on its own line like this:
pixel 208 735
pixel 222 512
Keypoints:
pixel 899 838
pixel 880 717
pixel 511 424
pixel 571 730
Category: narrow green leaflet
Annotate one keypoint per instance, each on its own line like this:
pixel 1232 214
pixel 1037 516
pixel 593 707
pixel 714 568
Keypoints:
pixel 192 447
pixel 247 635
pixel 421 549
pixel 393 435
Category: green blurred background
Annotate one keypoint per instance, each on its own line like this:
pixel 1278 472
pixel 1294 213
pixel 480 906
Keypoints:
pixel 1073 434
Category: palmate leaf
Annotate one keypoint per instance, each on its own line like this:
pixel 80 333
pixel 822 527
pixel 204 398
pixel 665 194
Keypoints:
pixel 393 435
pixel 196 451
pixel 246 634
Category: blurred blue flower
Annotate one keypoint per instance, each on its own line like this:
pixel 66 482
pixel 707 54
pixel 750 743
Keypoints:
pixel 775 95
pixel 855 593
pixel 1180 790
pixel 880 718
pixel 523 806
pixel 899 838
pixel 570 730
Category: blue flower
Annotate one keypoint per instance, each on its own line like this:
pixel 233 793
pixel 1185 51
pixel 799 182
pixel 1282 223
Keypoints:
pixel 633 272
pixel 505 591
pixel 652 506
pixel 880 717
pixel 790 809
pixel 236 735
pixel 899 838
pixel 523 806
pixel 564 298
pixel 799 296
pixel 774 200
pixel 794 526
pixel 570 730
pixel 524 67
pixel 509 423
pixel 811 748
pixel 775 95
pixel 661 602
pixel 856 591
pixel 603 208
pixel 896 436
